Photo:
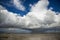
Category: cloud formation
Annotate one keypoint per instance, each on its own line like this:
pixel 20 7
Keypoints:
pixel 18 4
pixel 38 17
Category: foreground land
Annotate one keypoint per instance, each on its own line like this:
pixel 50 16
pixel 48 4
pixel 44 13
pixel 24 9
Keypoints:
pixel 29 36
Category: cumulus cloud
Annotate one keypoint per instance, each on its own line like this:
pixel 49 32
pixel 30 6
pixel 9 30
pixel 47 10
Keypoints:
pixel 18 4
pixel 7 17
pixel 38 17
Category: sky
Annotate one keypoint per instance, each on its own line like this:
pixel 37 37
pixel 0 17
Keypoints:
pixel 8 4
pixel 30 13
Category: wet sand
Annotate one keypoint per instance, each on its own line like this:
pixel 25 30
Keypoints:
pixel 29 36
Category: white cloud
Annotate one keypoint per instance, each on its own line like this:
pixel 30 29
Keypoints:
pixel 41 17
pixel 7 17
pixel 38 17
pixel 1 8
pixel 18 4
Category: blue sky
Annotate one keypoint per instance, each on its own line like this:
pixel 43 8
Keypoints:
pixel 55 4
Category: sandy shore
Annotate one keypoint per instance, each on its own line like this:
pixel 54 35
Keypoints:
pixel 29 37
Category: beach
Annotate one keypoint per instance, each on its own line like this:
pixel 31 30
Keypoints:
pixel 29 37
